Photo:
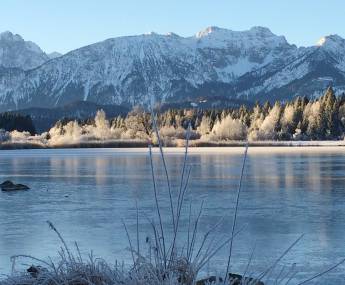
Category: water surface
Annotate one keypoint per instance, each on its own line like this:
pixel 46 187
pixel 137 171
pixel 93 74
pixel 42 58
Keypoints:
pixel 87 192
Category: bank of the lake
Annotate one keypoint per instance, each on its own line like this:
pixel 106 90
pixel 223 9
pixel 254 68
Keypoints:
pixel 177 143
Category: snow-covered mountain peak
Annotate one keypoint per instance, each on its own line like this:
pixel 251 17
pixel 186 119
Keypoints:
pixel 261 30
pixel 256 30
pixel 16 52
pixel 207 31
pixel 334 45
pixel 151 34
pixel 54 54
pixel 258 40
pixel 8 36
pixel 255 34
pixel 321 41
pixel 331 41
pixel 266 34
pixel 171 34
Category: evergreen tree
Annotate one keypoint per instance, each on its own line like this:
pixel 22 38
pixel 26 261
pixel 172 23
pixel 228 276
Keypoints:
pixel 266 108
pixel 330 114
pixel 13 121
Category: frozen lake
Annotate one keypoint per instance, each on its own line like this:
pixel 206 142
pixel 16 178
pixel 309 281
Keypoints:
pixel 86 193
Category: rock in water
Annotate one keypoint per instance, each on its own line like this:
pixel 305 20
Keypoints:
pixel 209 280
pixel 33 271
pixel 10 186
pixel 234 279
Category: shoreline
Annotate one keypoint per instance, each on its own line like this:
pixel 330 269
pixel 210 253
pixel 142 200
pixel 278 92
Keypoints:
pixel 195 147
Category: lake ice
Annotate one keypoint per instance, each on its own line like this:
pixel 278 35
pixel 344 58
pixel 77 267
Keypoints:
pixel 87 192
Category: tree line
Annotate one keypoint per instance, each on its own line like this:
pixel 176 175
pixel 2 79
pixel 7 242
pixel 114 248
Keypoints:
pixel 12 121
pixel 300 119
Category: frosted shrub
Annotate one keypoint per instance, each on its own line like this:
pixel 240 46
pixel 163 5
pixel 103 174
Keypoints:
pixel 19 136
pixel 128 134
pixel 253 135
pixel 169 135
pixel 134 134
pixel 116 133
pixel 73 131
pixel 167 131
pixel 170 131
pixel 70 133
pixel 141 135
pixel 229 129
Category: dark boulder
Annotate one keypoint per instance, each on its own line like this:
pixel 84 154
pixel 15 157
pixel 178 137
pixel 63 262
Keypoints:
pixel 236 279
pixel 209 280
pixel 233 279
pixel 33 271
pixel 10 186
pixel 6 183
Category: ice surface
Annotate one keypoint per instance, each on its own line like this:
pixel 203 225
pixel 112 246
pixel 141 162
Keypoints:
pixel 86 193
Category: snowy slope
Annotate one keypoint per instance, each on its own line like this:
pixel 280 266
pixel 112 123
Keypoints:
pixel 307 73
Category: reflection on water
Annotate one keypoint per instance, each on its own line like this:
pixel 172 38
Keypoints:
pixel 86 193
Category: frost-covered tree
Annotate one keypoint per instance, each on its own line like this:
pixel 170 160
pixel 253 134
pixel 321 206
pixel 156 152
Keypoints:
pixel 244 115
pixel 205 125
pixel 341 116
pixel 313 117
pixel 65 134
pixel 102 126
pixel 256 120
pixel 288 122
pixel 229 129
pixel 138 124
pixel 266 108
pixel 270 125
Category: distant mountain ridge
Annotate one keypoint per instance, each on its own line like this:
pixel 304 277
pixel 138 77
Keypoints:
pixel 215 63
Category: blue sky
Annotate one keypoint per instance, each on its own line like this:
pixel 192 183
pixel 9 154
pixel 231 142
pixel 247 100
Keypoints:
pixel 63 25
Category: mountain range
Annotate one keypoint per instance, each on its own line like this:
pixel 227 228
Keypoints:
pixel 215 67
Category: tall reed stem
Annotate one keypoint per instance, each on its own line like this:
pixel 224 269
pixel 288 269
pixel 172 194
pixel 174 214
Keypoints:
pixel 236 212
